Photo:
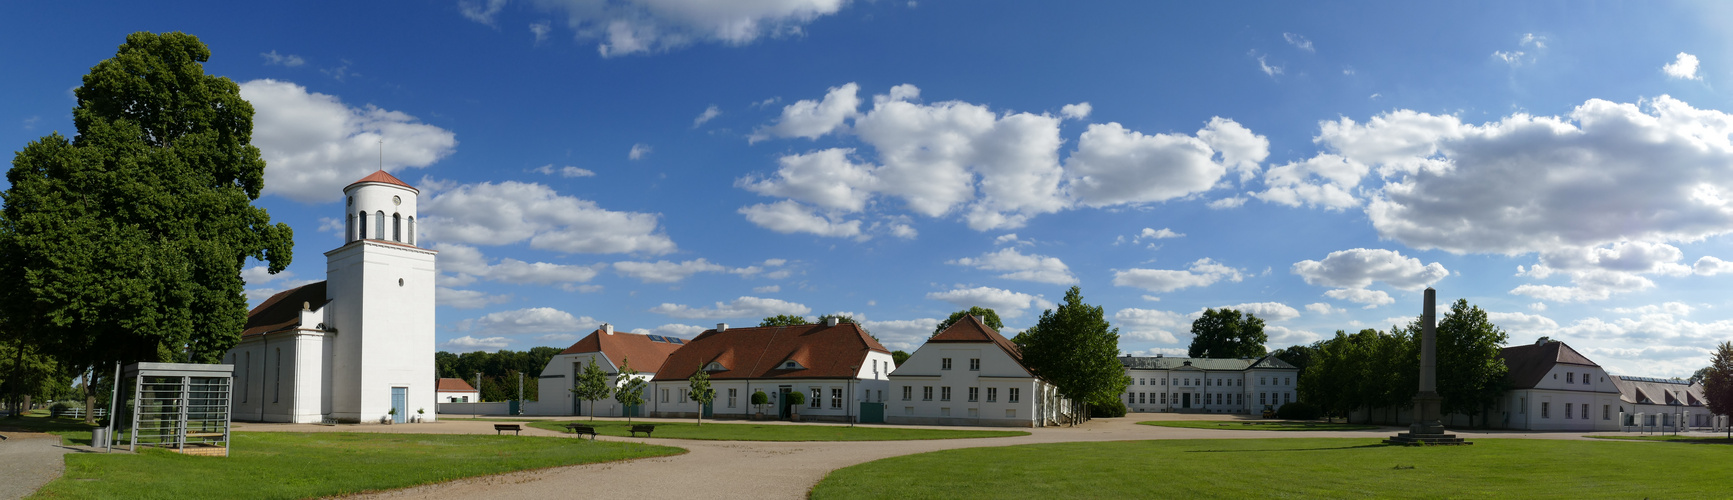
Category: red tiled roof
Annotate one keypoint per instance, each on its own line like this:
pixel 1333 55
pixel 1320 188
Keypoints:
pixel 971 329
pixel 382 177
pixel 454 385
pixel 1530 363
pixel 758 352
pixel 641 353
pixel 283 310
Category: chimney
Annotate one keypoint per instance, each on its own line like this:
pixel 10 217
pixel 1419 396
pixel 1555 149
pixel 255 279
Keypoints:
pixel 607 328
pixel 832 321
pixel 721 327
pixel 981 319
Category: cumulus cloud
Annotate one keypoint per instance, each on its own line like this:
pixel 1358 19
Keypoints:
pixel 678 330
pixel 566 171
pixel 314 145
pixel 1351 271
pixel 1037 268
pixel 1523 324
pixel 709 113
pixel 1202 272
pixel 810 119
pixel 1372 298
pixel 629 27
pixel 663 271
pixel 1269 311
pixel 466 299
pixel 469 343
pixel 511 212
pixel 1710 266
pixel 1077 111
pixel 1156 234
pixel 1151 325
pixel 743 307
pixel 1007 303
pixel 827 178
pixel 1671 308
pixel 1281 335
pixel 1598 273
pixel 1114 166
pixel 526 321
pixel 462 264
pixel 1324 181
pixel 638 152
pixel 903 334
pixel 788 216
pixel 1323 308
pixel 1683 67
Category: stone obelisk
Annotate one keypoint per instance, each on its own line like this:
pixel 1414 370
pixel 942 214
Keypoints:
pixel 1427 429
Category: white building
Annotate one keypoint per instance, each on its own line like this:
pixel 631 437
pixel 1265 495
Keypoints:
pixel 1662 404
pixel 358 345
pixel 971 375
pixel 456 390
pixel 642 353
pixel 1208 385
pixel 1554 388
pixel 835 366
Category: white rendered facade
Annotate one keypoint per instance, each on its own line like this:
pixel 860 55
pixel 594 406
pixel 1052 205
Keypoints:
pixel 1559 402
pixel 560 375
pixel 970 375
pixel 838 399
pixel 1185 385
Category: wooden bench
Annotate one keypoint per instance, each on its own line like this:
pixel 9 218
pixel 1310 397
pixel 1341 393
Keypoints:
pixel 581 429
pixel 501 428
pixel 644 428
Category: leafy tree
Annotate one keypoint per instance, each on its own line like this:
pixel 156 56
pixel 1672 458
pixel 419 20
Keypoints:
pixel 1077 350
pixel 126 242
pixel 987 314
pixel 592 385
pixel 1697 376
pixel 899 356
pixel 759 399
pixel 1718 382
pixel 1224 333
pixel 701 391
pixel 783 320
pixel 499 370
pixel 1471 377
pixel 631 388
pixel 29 374
pixel 1298 355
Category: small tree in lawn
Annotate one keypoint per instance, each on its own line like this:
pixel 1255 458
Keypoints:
pixel 759 399
pixel 1718 382
pixel 701 391
pixel 592 385
pixel 631 391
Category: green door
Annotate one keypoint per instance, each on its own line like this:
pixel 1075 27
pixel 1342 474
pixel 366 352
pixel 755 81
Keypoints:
pixel 782 404
pixel 709 409
pixel 1185 400
pixel 872 413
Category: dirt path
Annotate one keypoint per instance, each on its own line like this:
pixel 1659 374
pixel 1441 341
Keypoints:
pixel 29 460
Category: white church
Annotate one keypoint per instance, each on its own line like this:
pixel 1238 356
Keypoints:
pixel 357 347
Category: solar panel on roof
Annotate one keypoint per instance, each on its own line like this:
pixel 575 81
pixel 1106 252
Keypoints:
pixel 676 340
pixel 657 338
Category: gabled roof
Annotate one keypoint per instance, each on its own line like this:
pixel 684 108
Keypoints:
pixel 643 353
pixel 1658 391
pixel 454 385
pixel 1530 363
pixel 1211 364
pixel 758 352
pixel 283 310
pixel 970 329
pixel 381 177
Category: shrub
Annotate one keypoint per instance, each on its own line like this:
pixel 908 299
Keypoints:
pixel 1112 408
pixel 1299 410
pixel 796 398
pixel 758 398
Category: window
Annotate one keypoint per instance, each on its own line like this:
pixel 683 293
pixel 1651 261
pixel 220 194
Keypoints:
pixel 1545 410
pixel 974 394
pixel 1287 397
pixel 1139 398
pixel 927 393
pixel 974 364
pixel 362 233
pixel 1567 411
pixel 1263 381
pixel 790 365
pixel 684 393
pixel 1139 381
pixel 1585 412
pixel 1218 398
pixel 1287 381
pixel 379 225
pixel 1585 379
pixel 1241 398
pixel 397 227
pixel 1164 381
pixel 992 394
pixel 1261 398
pixel 277 382
pixel 664 395
pixel 1012 397
pixel 908 393
pixel 1164 398
pixel 1570 378
pixel 817 399
pixel 1186 381
pixel 732 394
pixel 1219 382
pixel 881 396
pixel 835 398
pixel 945 364
pixel 1606 412
pixel 945 393
pixel 349 229
pixel 1522 405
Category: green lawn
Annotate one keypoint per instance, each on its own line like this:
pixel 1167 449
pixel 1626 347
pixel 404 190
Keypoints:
pixel 319 464
pixel 1676 439
pixel 71 431
pixel 1277 425
pixel 1294 468
pixel 760 432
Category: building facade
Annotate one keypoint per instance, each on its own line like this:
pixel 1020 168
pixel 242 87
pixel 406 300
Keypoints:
pixel 969 374
pixel 1662 404
pixel 609 350
pixel 835 367
pixel 456 390
pixel 1555 388
pixel 1208 385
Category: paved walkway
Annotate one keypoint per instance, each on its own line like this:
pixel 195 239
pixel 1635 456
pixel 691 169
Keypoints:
pixel 758 469
pixel 29 460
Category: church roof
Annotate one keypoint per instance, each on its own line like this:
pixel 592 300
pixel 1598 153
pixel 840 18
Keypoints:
pixel 381 176
pixel 1530 363
pixel 644 353
pixel 454 385
pixel 283 310
pixel 820 351
pixel 1210 364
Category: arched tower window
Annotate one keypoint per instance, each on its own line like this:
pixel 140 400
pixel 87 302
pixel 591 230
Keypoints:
pixel 362 233
pixel 397 228
pixel 411 230
pixel 349 229
pixel 379 225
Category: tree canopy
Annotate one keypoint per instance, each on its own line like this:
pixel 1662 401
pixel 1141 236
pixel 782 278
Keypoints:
pixel 591 385
pixel 499 370
pixel 126 242
pixel 1224 333
pixel 986 313
pixel 1076 349
pixel 1718 382
pixel 701 391
pixel 783 320
pixel 1471 376
pixel 630 389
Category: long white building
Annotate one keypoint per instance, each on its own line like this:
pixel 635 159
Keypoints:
pixel 969 374
pixel 834 366
pixel 609 350
pixel 1208 385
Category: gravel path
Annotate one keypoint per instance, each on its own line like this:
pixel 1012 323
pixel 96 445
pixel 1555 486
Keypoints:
pixel 758 470
pixel 29 460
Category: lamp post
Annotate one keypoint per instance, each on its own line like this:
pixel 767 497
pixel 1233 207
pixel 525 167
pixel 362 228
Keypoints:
pixel 474 409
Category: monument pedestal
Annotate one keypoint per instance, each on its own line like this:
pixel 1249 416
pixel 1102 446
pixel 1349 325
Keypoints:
pixel 1427 429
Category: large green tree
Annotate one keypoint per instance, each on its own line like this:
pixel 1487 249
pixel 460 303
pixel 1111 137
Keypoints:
pixel 1718 382
pixel 783 320
pixel 989 316
pixel 1225 333
pixel 1471 376
pixel 1076 349
pixel 125 243
pixel 499 370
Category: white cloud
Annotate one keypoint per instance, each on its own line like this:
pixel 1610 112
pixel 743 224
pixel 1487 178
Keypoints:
pixel 743 307
pixel 1269 311
pixel 1372 298
pixel 292 60
pixel 622 28
pixel 1324 181
pixel 1598 273
pixel 709 113
pixel 810 119
pixel 1226 203
pixel 1683 67
pixel 481 11
pixel 826 178
pixel 566 171
pixel 1157 234
pixel 1077 111
pixel 1710 266
pixel 1351 271
pixel 314 145
pixel 663 271
pixel 468 343
pixel 1298 42
pixel 902 334
pixel 1114 166
pixel 788 216
pixel 1008 238
pixel 1281 335
pixel 526 321
pixel 1263 64
pixel 466 299
pixel 510 212
pixel 1007 303
pixel 679 330
pixel 1537 307
pixel 1202 272
pixel 1671 308
pixel 639 151
pixel 1323 308
pixel 1515 58
pixel 1523 324
pixel 540 30
pixel 767 289
pixel 1152 325
pixel 1037 268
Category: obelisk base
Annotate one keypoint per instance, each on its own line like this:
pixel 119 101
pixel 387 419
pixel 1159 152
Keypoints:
pixel 1426 429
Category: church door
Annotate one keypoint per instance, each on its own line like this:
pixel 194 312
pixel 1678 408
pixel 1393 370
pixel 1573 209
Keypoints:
pixel 400 402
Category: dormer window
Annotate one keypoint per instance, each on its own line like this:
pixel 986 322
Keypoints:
pixel 791 365
pixel 715 367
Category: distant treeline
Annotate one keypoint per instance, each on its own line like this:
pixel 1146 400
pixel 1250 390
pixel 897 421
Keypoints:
pixel 499 370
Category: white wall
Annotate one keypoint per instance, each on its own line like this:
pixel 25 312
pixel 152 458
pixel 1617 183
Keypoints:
pixel 999 373
pixel 465 409
pixel 383 310
pixel 1245 388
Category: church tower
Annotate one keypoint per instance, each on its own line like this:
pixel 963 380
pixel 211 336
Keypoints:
pixel 381 288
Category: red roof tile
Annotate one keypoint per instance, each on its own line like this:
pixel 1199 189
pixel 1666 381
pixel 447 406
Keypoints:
pixel 283 310
pixel 641 353
pixel 454 385
pixel 758 352
pixel 1530 363
pixel 971 329
pixel 382 177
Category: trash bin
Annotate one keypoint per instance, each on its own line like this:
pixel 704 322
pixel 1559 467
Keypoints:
pixel 99 437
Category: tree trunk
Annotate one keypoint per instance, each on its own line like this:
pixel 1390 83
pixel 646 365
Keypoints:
pixel 90 397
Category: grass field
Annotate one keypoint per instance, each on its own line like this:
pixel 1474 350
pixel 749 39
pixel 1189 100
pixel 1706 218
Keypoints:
pixel 1294 468
pixel 760 432
pixel 319 464
pixel 1280 425
pixel 1675 439
pixel 71 431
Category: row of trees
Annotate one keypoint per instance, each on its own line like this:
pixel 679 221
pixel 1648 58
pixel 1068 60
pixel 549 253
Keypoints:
pixel 1375 370
pixel 499 370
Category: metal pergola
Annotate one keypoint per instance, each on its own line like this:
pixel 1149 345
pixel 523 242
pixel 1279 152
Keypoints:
pixel 182 407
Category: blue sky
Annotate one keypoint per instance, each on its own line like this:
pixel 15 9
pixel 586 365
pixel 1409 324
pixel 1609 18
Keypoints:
pixel 666 166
